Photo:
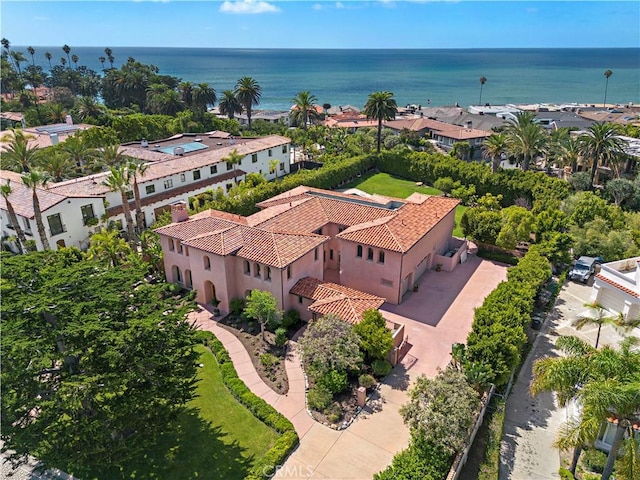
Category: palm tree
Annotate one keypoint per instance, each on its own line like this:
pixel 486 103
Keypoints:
pixel 32 52
pixel 77 151
pixel 66 49
pixel 304 109
pixel 57 113
pixel 48 56
pixel 118 181
pixel 102 59
pixel 109 53
pixel 107 246
pixel 483 80
pixel 273 166
pixel 601 143
pixel 617 321
pixel 110 156
pixel 18 58
pixel 74 59
pixel 58 165
pixel 381 106
pixel 233 158
pixel 186 92
pixel 34 179
pixel 63 61
pixel 494 147
pixel 248 93
pixel 5 191
pixel 88 107
pixel 18 155
pixel 203 96
pixel 604 383
pixel 525 137
pixel 134 169
pixel 607 74
pixel 229 104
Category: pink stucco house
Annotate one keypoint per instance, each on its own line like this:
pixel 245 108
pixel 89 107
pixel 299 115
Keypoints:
pixel 315 250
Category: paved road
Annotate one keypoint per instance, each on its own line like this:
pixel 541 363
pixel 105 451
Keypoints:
pixel 531 424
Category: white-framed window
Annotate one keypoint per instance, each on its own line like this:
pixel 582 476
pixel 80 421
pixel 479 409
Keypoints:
pixel 196 175
pixel 182 177
pixel 213 169
pixel 168 183
pixel 254 158
pixel 150 189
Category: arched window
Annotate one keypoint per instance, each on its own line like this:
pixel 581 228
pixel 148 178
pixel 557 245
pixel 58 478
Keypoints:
pixel 380 256
pixel 370 254
pixel 177 274
pixel 359 251
pixel 187 279
pixel 207 263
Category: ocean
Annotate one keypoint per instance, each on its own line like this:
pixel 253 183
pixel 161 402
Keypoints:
pixel 434 76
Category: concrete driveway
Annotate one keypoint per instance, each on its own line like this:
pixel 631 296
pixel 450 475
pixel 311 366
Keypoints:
pixel 436 316
pixel 532 423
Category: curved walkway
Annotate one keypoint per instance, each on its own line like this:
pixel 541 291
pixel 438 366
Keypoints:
pixel 292 404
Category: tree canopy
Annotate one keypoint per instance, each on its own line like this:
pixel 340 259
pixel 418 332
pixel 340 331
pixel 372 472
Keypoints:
pixel 95 360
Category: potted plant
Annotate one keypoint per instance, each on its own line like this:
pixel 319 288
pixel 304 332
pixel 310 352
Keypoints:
pixel 415 287
pixel 438 267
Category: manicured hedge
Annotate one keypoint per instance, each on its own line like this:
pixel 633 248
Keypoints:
pixel 511 184
pixel 286 442
pixel 498 335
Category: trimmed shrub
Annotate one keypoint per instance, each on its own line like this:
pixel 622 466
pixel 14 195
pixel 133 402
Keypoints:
pixel 381 368
pixel 319 398
pixel 594 460
pixel 237 306
pixel 334 381
pixel 288 440
pixel 290 318
pixel 281 336
pixel 565 474
pixel 366 380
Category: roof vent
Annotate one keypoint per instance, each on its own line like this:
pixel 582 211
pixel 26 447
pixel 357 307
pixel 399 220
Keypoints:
pixel 178 151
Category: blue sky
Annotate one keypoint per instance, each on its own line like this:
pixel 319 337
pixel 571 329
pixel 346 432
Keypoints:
pixel 322 24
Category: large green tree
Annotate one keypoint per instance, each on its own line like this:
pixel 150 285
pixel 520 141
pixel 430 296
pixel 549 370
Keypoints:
pixel 261 306
pixel 493 147
pixel 525 138
pixel 5 191
pixel 606 385
pixel 376 339
pixel 18 155
pixel 248 93
pixel 442 409
pixel 304 109
pixel 96 361
pixel 601 143
pixel 381 106
pixel 229 104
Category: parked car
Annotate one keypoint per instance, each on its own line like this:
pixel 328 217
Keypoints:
pixel 584 268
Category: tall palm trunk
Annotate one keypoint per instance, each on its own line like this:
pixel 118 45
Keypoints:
pixel 577 451
pixel 139 212
pixel 38 214
pixel 379 132
pixel 525 162
pixel 22 239
pixel 496 163
pixel 127 215
pixel 594 169
pixel 621 428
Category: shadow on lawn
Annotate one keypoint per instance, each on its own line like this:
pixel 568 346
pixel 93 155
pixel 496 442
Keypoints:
pixel 190 449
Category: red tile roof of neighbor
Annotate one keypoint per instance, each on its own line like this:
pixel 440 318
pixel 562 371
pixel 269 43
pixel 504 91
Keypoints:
pixel 330 298
pixel 624 289
pixel 21 196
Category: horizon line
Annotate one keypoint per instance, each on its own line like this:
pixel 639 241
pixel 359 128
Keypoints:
pixel 337 48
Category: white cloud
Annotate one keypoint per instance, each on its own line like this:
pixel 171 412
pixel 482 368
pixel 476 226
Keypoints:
pixel 247 7
pixel 317 6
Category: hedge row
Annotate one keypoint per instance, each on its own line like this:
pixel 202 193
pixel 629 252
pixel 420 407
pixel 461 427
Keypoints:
pixel 286 442
pixel 511 184
pixel 498 332
pixel 329 176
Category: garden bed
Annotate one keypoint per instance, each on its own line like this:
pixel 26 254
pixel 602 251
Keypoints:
pixel 267 358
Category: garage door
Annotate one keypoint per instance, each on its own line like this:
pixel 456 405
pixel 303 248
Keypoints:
pixel 423 266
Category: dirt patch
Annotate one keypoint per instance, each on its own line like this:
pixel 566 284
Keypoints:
pixel 267 358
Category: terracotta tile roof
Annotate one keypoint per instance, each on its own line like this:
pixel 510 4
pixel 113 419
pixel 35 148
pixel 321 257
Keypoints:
pixel 276 249
pixel 622 288
pixel 330 298
pixel 174 192
pixel 224 242
pixel 195 227
pixel 400 232
pixel 21 196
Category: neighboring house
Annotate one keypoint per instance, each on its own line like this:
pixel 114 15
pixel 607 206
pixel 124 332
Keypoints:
pixel 271 116
pixel 47 135
pixel 177 168
pixel 378 245
pixel 617 287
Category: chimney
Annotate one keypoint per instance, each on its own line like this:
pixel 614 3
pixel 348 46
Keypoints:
pixel 54 139
pixel 68 120
pixel 469 124
pixel 179 212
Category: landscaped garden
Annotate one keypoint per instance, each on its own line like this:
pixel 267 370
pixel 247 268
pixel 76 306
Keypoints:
pixel 385 184
pixel 216 437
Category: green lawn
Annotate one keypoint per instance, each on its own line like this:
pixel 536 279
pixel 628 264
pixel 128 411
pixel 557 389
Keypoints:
pixel 217 438
pixel 385 184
